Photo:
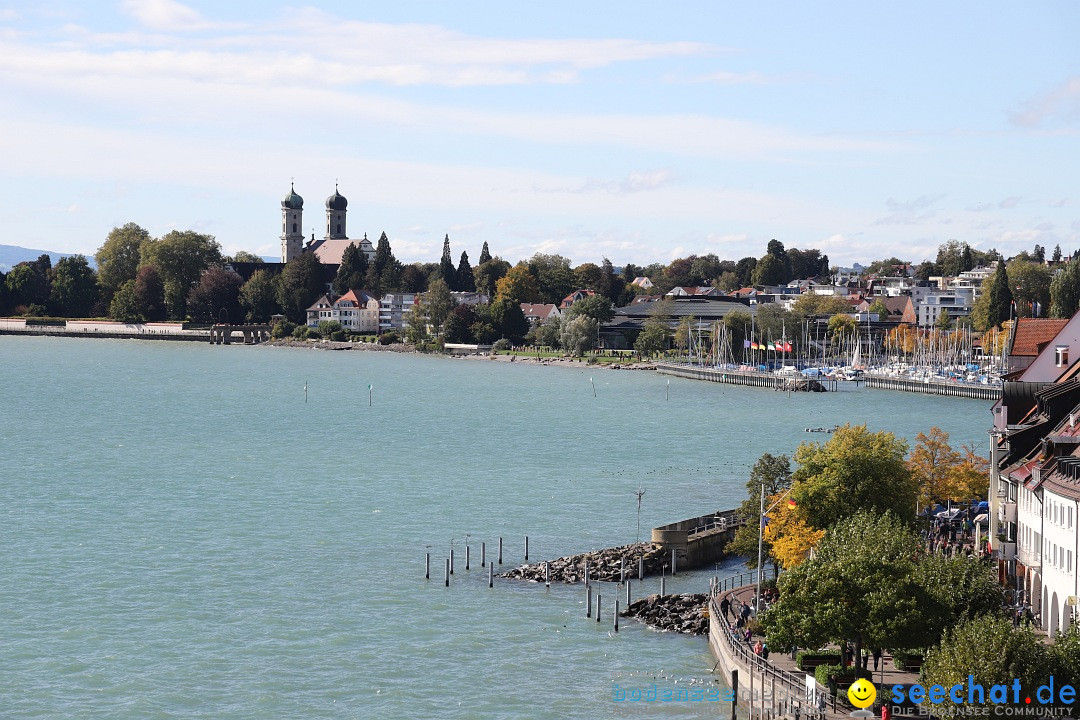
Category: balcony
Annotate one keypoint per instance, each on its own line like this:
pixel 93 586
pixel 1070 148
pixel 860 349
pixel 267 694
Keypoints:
pixel 1007 512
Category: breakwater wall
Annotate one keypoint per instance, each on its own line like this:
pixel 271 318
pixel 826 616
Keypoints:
pixel 697 541
pixel 951 389
pixel 744 377
pixel 218 334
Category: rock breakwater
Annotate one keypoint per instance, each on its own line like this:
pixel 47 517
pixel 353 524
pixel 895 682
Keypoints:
pixel 685 614
pixel 603 565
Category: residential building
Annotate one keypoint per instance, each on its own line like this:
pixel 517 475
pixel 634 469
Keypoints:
pixel 687 290
pixel 929 305
pixel 540 313
pixel 470 298
pixel 394 309
pixel 643 282
pixel 356 310
pixel 573 297
pixel 1029 337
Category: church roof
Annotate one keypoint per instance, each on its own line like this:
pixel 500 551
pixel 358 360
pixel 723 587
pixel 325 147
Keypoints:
pixel 336 201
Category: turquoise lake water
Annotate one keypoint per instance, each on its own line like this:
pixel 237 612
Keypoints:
pixel 185 537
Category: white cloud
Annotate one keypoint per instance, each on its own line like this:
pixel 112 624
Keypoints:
pixel 1061 103
pixel 166 15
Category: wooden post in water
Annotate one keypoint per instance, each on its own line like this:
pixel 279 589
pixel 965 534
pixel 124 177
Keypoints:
pixel 597 607
pixel 674 570
pixel 616 620
pixel 641 567
pixel 427 566
pixel 622 570
pixel 663 586
pixel 451 559
pixel 500 551
pixel 491 576
pixel 586 572
pixel 446 573
pixel 467 554
pixel 547 574
pixel 526 548
pixel 628 594
pixel 588 601
pixel 483 554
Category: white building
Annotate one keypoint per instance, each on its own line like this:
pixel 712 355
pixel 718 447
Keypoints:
pixel 394 310
pixel 356 311
pixel 929 305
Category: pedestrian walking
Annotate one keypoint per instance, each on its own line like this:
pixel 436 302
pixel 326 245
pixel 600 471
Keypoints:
pixel 877 658
pixel 725 605
pixel 886 714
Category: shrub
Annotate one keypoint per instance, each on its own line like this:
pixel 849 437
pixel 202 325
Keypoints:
pixel 327 328
pixel 390 337
pixel 337 336
pixel 282 329
pixel 808 660
pixel 303 332
pixel 501 344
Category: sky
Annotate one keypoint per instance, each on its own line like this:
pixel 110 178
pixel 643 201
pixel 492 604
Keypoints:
pixel 629 130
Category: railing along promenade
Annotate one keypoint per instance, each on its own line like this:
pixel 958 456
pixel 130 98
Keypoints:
pixel 772 692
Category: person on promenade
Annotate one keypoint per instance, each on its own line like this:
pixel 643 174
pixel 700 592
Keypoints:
pixel 886 714
pixel 725 605
pixel 832 690
pixel 765 651
pixel 877 658
pixel 748 636
pixel 758 648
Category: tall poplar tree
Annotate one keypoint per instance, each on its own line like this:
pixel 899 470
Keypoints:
pixel 464 273
pixel 1065 291
pixel 1000 303
pixel 446 266
pixel 485 255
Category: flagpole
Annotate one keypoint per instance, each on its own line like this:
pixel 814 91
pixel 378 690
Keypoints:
pixel 760 539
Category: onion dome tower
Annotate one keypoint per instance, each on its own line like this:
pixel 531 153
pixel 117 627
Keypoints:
pixel 336 206
pixel 292 222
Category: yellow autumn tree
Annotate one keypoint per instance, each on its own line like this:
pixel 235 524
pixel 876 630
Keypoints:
pixel 789 535
pixel 969 478
pixel 932 463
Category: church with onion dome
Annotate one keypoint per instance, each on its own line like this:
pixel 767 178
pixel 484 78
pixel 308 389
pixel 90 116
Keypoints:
pixel 331 246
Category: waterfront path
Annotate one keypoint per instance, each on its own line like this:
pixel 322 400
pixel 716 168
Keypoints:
pixel 785 685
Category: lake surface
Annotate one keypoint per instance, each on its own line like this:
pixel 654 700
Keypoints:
pixel 186 537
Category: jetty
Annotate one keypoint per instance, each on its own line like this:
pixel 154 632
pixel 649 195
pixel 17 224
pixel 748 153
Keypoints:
pixel 753 378
pixel 934 387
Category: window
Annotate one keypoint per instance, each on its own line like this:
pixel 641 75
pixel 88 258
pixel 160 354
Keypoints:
pixel 339 228
pixel 1061 354
pixel 294 228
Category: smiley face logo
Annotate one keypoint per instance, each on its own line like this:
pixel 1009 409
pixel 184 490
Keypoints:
pixel 862 693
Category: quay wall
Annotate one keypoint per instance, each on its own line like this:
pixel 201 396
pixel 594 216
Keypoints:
pixel 980 392
pixel 735 377
pixel 105 329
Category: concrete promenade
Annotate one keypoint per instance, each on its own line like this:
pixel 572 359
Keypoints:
pixel 776 688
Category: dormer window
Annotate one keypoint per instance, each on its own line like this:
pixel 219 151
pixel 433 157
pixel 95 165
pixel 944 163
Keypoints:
pixel 1061 355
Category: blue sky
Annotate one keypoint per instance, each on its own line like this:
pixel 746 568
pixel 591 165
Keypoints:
pixel 619 129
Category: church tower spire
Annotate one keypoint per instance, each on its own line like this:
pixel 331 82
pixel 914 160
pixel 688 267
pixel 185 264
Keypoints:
pixel 336 207
pixel 292 220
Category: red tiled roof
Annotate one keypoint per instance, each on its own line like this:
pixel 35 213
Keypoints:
pixel 1033 334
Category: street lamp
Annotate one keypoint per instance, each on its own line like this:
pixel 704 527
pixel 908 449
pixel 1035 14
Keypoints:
pixel 760 541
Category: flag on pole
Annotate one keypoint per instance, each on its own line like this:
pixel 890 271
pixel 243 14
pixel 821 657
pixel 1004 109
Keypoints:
pixel 745 343
pixel 791 504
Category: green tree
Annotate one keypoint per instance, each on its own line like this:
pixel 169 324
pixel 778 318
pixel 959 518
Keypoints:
pixel 352 272
pixel 1029 283
pixel 119 257
pixel 150 294
pixel 549 333
pixel 258 297
pixel 579 334
pixel 488 273
pixel 1056 258
pixel 589 276
pixel 684 333
pixel 124 305
pixel 384 272
pixel 181 257
pixel 841 326
pixel 1065 291
pixel 744 270
pixel 950 257
pixel 464 274
pixel 414 277
pixel 27 285
pixel 485 255
pixel 446 266
pixel 992 652
pixel 243 256
pixel 967 261
pixel 932 463
pixel 416 324
pixel 554 278
pixel 807 263
pixel 653 338
pixel 880 309
pixel 810 304
pixel 856 470
pixel 944 320
pixel 859 586
pixel 457 328
pixel 518 286
pixel 597 307
pixel 74 287
pixel 438 304
pixel 774 472
pixel 999 298
pixel 301 283
pixel 738 325
pixel 508 320
pixel 770 271
pixel 217 297
pixel 728 281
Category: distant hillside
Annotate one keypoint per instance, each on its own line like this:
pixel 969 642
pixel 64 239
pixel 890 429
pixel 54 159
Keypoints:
pixel 12 255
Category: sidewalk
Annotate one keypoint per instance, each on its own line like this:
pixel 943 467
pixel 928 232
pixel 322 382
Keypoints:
pixel 884 678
